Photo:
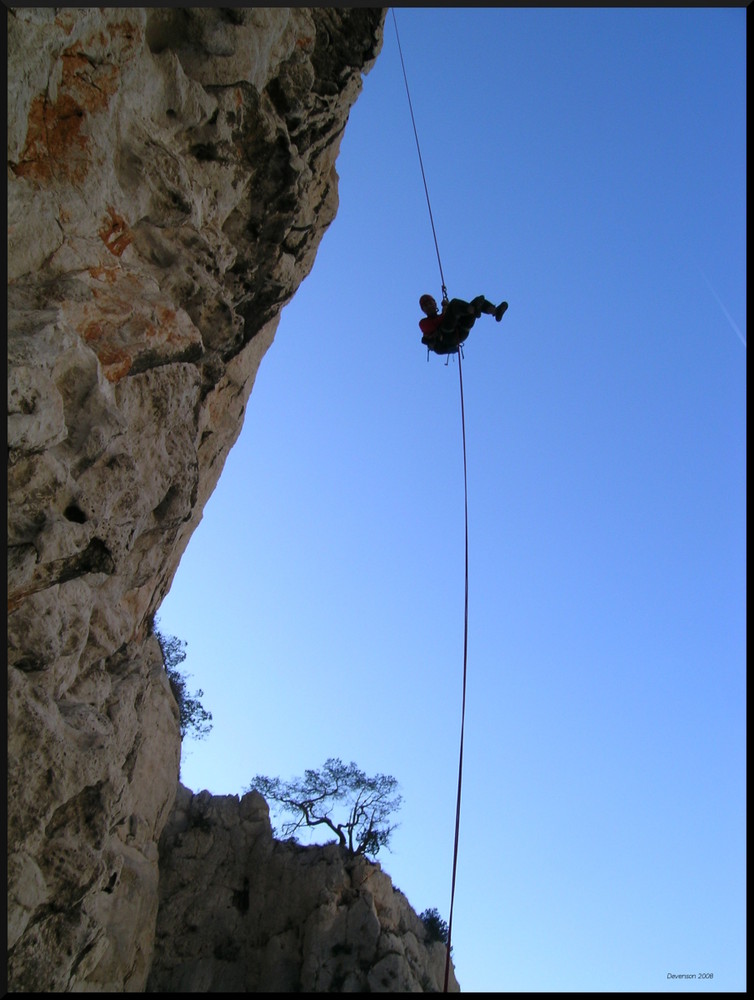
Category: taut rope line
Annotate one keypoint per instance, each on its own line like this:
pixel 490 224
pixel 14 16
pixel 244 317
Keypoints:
pixel 421 162
pixel 466 526
pixel 465 657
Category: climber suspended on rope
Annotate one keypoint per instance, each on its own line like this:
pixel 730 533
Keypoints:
pixel 443 332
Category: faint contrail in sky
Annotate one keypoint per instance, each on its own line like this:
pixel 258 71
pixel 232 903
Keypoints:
pixel 727 315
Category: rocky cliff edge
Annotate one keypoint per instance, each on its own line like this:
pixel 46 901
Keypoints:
pixel 243 912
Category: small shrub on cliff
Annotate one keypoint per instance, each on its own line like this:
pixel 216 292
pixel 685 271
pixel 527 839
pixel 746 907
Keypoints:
pixel 340 797
pixel 435 926
pixel 195 719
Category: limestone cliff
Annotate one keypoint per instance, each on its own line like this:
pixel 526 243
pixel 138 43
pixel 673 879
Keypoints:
pixel 242 912
pixel 170 176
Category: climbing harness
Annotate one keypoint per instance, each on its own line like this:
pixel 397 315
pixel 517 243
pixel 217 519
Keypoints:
pixel 459 351
pixel 454 348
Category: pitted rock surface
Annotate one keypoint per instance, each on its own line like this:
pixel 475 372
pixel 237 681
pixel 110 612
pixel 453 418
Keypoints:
pixel 170 176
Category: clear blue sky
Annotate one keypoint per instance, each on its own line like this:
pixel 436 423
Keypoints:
pixel 589 167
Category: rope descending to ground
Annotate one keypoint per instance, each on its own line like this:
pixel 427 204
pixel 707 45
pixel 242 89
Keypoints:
pixel 466 522
pixel 465 658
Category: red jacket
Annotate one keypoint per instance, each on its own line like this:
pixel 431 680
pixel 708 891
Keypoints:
pixel 430 325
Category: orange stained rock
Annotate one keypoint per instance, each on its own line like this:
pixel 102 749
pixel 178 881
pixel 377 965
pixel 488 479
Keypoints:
pixel 106 274
pixel 55 146
pixel 115 233
pixel 116 363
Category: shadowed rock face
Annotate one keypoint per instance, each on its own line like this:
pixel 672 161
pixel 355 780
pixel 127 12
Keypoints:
pixel 170 176
pixel 241 912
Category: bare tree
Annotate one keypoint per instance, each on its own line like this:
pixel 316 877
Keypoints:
pixel 340 797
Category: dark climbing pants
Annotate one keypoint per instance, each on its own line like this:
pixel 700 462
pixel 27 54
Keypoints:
pixel 459 317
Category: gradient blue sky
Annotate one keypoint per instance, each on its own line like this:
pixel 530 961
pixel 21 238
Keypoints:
pixel 589 167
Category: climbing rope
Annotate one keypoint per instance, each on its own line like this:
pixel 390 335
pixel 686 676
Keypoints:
pixel 465 655
pixel 421 162
pixel 459 351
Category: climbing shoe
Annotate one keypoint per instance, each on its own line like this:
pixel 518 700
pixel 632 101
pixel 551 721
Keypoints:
pixel 500 310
